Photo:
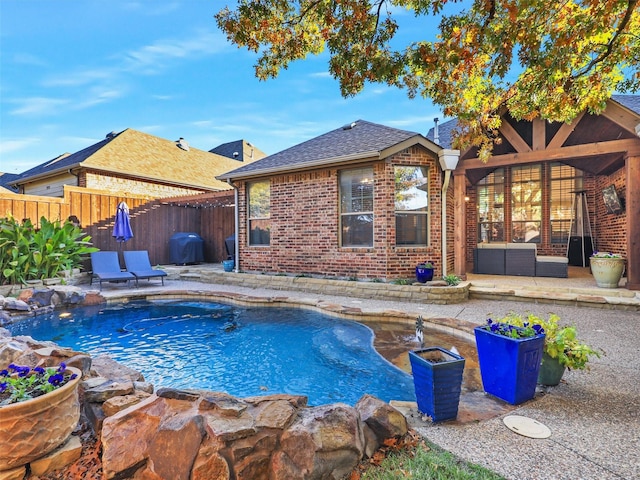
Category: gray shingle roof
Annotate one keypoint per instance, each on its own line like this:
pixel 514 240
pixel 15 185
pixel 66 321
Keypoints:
pixel 358 139
pixel 632 102
pixel 445 137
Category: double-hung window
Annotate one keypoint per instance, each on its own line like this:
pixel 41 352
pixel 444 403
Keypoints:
pixel 259 200
pixel 411 205
pixel 356 207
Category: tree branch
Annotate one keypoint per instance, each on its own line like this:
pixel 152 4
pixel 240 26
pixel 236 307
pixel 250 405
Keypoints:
pixel 623 24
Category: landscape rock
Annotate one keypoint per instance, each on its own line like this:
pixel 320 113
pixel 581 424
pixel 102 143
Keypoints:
pixel 61 457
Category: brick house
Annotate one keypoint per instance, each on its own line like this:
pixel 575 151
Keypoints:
pixel 133 162
pixel 531 180
pixel 362 201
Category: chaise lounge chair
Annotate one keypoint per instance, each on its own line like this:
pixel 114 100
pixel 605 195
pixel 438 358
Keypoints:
pixel 137 263
pixel 106 267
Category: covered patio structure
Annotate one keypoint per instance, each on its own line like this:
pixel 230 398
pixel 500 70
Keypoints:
pixel 534 177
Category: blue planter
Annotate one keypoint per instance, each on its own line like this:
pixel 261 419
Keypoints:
pixel 437 378
pixel 509 366
pixel 424 274
pixel 228 265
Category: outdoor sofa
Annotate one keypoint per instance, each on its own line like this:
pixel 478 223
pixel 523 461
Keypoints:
pixel 517 259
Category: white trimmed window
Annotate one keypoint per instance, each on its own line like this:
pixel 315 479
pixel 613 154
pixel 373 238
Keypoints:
pixel 411 205
pixel 259 201
pixel 356 207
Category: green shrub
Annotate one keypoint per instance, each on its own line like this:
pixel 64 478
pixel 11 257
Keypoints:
pixel 27 253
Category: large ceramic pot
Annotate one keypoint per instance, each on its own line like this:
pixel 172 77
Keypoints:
pixel 509 366
pixel 607 271
pixel 424 273
pixel 31 429
pixel 551 371
pixel 437 378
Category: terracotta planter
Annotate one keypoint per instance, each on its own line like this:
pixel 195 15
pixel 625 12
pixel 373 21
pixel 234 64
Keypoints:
pixel 31 429
pixel 607 272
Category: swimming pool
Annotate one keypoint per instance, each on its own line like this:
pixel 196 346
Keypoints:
pixel 244 351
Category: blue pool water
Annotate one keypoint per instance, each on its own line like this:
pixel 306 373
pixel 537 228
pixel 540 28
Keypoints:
pixel 241 351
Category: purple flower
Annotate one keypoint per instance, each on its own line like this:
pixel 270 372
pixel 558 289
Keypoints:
pixel 39 370
pixel 56 379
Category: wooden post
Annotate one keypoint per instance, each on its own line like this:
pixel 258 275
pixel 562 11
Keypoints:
pixel 459 224
pixel 632 165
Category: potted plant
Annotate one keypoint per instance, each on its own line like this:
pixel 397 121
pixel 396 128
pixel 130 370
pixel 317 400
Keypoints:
pixel 607 268
pixel 39 408
pixel 509 359
pixel 562 349
pixel 437 379
pixel 424 272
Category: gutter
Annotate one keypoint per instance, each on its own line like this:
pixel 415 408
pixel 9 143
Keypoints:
pixel 236 253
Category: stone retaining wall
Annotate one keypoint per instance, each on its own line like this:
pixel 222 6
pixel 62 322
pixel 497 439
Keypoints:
pixel 176 434
pixel 431 292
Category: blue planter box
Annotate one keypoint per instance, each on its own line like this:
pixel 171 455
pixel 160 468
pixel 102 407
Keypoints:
pixel 424 274
pixel 509 366
pixel 437 378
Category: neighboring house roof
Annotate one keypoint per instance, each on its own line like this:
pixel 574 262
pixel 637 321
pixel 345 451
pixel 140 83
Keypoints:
pixel 143 156
pixel 352 142
pixel 239 150
pixel 445 130
pixel 5 178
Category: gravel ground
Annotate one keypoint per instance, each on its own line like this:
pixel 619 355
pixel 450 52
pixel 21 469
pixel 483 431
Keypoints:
pixel 594 416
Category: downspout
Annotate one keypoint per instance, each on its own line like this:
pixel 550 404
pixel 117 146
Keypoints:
pixel 236 260
pixel 448 161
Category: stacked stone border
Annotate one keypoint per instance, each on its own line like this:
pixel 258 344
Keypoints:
pixel 173 433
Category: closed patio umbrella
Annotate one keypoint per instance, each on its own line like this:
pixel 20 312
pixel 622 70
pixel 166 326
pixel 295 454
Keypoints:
pixel 122 226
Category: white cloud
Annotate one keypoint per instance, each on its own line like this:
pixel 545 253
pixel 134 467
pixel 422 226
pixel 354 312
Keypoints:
pixel 15 145
pixel 97 96
pixel 38 106
pixel 151 59
pixel 29 59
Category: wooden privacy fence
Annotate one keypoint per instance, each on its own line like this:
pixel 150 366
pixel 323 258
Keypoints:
pixel 153 222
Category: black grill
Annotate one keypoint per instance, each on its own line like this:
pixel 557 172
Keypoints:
pixel 186 248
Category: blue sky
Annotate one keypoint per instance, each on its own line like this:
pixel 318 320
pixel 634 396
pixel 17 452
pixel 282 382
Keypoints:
pixel 72 71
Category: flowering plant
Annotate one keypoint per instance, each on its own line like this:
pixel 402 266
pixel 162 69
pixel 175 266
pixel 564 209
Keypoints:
pixel 20 383
pixel 605 255
pixel 507 329
pixel 560 342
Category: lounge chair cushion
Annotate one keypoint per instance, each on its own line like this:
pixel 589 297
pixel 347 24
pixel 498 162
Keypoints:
pixel 106 267
pixel 137 263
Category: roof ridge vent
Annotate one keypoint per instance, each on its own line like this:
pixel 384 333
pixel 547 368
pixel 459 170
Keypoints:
pixel 183 144
pixel 349 126
pixel 111 135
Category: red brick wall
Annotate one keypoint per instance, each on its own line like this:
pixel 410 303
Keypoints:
pixel 305 226
pixel 610 229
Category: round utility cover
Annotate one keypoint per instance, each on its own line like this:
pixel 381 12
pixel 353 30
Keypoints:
pixel 526 426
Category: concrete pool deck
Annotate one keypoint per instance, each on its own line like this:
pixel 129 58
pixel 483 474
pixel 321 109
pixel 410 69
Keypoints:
pixel 594 416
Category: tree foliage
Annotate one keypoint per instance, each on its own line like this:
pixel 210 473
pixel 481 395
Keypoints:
pixel 532 58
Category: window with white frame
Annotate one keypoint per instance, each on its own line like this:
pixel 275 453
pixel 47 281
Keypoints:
pixel 259 201
pixel 356 207
pixel 411 205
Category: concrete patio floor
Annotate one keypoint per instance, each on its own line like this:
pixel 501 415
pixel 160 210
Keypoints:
pixel 594 416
